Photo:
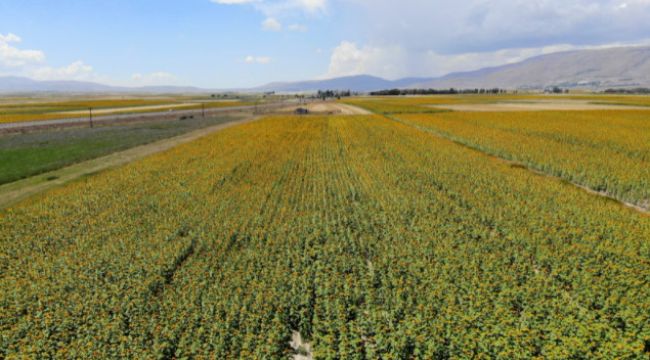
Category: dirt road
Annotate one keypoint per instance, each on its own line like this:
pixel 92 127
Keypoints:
pixel 13 193
pixel 127 109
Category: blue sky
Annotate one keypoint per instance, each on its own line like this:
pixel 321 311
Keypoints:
pixel 241 43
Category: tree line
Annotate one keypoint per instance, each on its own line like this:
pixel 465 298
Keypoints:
pixel 451 91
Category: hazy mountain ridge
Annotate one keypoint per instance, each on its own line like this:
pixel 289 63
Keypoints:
pixel 359 83
pixel 589 69
pixel 623 67
pixel 15 84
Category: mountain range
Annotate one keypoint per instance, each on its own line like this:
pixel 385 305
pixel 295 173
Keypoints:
pixel 16 84
pixel 622 67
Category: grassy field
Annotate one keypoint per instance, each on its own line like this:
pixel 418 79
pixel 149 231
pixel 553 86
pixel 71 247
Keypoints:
pixel 25 155
pixel 49 109
pixel 370 237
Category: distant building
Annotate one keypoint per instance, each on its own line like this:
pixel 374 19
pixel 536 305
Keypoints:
pixel 302 111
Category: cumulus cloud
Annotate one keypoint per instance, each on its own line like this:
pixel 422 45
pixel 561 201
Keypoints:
pixel 257 60
pixel 350 59
pixel 11 56
pixel 449 27
pixel 436 37
pixel 281 8
pixel 31 63
pixel 271 24
pixel 78 70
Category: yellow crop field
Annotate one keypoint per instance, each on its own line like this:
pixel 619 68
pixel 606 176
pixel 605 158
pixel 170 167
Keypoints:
pixel 607 151
pixel 371 237
pixel 50 110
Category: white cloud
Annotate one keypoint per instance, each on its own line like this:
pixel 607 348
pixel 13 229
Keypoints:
pixel 257 60
pixel 271 24
pixel 450 27
pixel 10 38
pixel 281 8
pixel 31 63
pixel 310 5
pixel 78 70
pixel 156 78
pixel 350 59
pixel 11 56
pixel 436 37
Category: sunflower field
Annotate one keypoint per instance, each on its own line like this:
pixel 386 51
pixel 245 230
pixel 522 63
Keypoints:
pixel 371 238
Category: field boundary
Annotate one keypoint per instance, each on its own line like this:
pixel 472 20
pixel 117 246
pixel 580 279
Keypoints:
pixel 585 188
pixel 15 192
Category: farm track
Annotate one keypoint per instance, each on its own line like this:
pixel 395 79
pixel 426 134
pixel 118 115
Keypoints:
pixel 15 192
pixel 602 194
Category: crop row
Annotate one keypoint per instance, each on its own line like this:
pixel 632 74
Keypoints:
pixel 369 237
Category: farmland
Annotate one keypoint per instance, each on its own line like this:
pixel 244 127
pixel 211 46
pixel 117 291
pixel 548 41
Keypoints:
pixel 432 104
pixel 25 155
pixel 372 236
pixel 606 151
pixel 33 109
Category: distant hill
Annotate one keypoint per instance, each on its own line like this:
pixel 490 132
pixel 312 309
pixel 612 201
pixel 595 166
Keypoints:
pixel 588 69
pixel 360 83
pixel 14 84
pixel 623 67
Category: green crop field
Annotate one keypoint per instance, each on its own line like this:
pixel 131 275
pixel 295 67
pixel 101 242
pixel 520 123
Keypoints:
pixel 25 155
pixel 408 234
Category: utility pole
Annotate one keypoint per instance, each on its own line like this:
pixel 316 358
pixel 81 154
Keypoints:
pixel 90 111
pixel 203 109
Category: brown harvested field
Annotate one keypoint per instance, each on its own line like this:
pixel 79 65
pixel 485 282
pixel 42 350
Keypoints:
pixel 328 108
pixel 537 105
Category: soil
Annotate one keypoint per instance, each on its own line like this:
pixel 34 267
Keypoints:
pixel 328 108
pixel 540 105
